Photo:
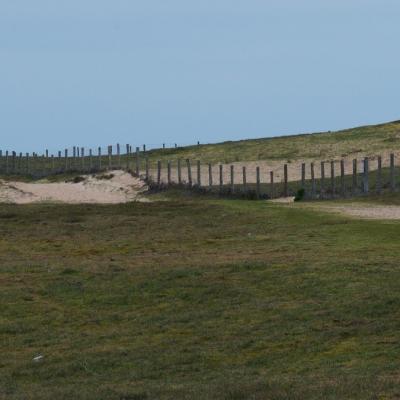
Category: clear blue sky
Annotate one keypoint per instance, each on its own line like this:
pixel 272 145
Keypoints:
pixel 96 72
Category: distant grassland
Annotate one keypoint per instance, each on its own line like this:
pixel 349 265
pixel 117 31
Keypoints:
pixel 367 139
pixel 197 299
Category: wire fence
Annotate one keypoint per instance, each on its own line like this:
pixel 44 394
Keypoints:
pixel 315 180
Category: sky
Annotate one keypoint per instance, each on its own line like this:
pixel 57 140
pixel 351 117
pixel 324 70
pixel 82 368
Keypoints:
pixel 98 72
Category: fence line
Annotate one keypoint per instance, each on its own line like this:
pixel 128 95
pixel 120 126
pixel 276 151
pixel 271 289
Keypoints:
pixel 313 181
pixel 343 180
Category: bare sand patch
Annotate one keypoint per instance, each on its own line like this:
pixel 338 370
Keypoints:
pixel 282 200
pixel 117 187
pixel 365 211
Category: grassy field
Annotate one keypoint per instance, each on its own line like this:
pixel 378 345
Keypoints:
pixel 325 145
pixel 367 140
pixel 197 298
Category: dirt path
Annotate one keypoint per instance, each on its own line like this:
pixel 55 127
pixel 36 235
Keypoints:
pixel 111 188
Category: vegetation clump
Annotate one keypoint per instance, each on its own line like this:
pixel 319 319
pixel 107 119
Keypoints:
pixel 105 177
pixel 300 195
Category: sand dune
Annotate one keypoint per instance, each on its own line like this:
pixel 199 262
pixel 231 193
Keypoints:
pixel 110 188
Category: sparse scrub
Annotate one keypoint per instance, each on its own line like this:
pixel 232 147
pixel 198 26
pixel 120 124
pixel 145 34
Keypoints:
pixel 104 176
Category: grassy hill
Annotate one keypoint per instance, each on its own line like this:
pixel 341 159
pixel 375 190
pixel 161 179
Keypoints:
pixel 197 299
pixel 366 139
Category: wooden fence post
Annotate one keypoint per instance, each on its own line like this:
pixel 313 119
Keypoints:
pixel 127 156
pixel 342 183
pixel 169 172
pixel 333 178
pixel 33 164
pixel 99 156
pixel 285 184
pixel 73 157
pixel 313 188
pixel 232 179
pixel 110 149
pixel 244 179
pixel 271 177
pixel 14 154
pixel 27 163
pixel 366 176
pixel 20 163
pixel 90 160
pixel 7 162
pixel 59 162
pixel 147 169
pixel 179 172
pixel 198 173
pixel 158 173
pixel 322 184
pixel 379 176
pixel 189 172
pixel 258 189
pixel 210 175
pixel 392 174
pixel 137 161
pixel 119 155
pixel 221 178
pixel 354 183
pixel 66 159
pixel 83 158
pixel 303 176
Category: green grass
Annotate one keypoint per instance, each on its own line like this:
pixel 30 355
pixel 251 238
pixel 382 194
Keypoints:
pixel 372 140
pixel 196 298
pixel 320 146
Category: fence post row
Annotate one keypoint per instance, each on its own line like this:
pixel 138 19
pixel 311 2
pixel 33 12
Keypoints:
pixel 80 159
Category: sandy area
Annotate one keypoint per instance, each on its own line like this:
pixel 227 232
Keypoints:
pixel 121 188
pixel 365 211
